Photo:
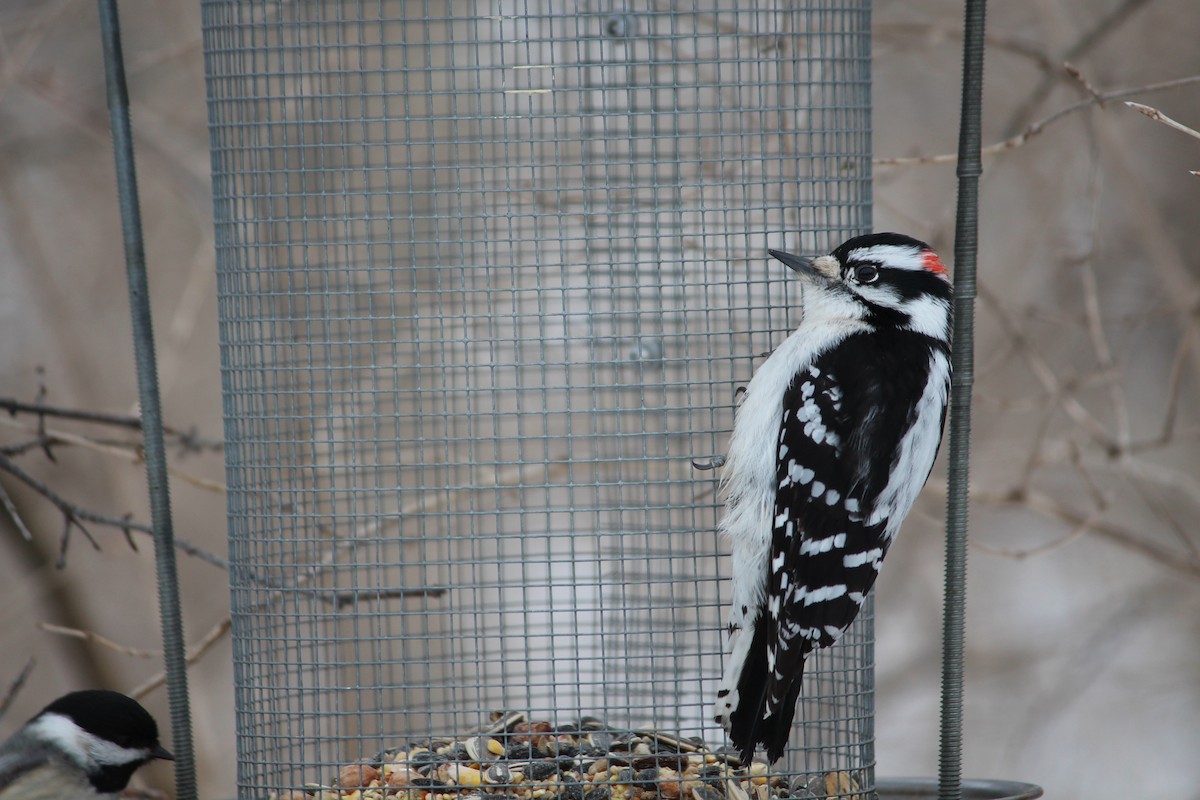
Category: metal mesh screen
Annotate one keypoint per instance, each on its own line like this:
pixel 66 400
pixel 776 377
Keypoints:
pixel 490 274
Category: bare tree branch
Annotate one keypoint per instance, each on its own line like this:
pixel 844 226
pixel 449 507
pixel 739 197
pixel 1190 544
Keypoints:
pixel 1084 45
pixel 65 506
pixel 1081 524
pixel 75 515
pixel 1176 560
pixel 1038 127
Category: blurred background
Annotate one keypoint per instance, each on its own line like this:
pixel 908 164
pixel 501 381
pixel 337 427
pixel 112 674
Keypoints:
pixel 1084 595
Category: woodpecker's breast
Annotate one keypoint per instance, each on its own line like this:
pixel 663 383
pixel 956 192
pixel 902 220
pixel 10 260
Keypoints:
pixel 917 449
pixel 749 473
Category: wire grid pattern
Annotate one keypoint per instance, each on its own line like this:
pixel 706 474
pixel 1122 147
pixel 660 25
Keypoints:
pixel 490 274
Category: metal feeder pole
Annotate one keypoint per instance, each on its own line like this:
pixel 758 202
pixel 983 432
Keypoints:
pixel 965 247
pixel 152 431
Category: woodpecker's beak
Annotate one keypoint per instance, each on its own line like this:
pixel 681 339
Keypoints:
pixel 826 267
pixel 161 752
pixel 797 263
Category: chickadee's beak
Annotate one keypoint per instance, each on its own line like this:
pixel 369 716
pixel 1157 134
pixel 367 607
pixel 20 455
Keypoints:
pixel 161 752
pixel 798 263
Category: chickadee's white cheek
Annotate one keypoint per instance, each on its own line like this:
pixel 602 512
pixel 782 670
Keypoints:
pixel 110 753
pixel 63 734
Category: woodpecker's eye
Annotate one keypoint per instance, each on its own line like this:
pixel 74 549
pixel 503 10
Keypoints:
pixel 866 273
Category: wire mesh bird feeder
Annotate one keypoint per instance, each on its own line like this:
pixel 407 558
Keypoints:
pixel 490 275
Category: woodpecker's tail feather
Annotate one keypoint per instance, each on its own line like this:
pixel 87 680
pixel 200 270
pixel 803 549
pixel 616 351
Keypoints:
pixel 745 719
pixel 747 725
pixel 776 728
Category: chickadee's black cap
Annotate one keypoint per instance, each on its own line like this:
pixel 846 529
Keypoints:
pixel 111 716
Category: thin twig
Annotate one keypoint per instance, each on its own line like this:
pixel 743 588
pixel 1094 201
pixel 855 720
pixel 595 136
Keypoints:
pixel 97 639
pixel 1174 386
pixel 1132 467
pixel 14 407
pixel 1046 374
pixel 1037 127
pixel 71 522
pixel 925 33
pixel 1078 76
pixel 14 687
pixel 1158 116
pixel 195 551
pixel 1153 234
pixel 126 451
pixel 1076 460
pixel 1106 364
pixel 1093 313
pixel 1077 532
pixel 112 419
pixel 21 448
pixel 1156 502
pixel 41 420
pixel 345 597
pixel 195 652
pixel 1037 451
pixel 10 508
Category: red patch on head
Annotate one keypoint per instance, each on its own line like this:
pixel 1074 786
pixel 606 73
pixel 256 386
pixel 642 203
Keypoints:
pixel 931 262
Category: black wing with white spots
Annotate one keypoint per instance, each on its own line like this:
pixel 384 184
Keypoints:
pixel 834 460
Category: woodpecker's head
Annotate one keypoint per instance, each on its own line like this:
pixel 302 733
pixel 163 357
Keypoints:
pixel 893 279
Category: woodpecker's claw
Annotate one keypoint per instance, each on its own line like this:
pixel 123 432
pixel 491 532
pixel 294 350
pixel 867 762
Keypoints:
pixel 705 464
pixel 738 392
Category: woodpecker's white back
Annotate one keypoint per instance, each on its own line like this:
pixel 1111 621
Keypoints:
pixel 834 438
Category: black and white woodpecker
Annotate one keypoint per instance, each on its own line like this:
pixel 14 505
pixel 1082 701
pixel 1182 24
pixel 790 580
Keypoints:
pixel 835 437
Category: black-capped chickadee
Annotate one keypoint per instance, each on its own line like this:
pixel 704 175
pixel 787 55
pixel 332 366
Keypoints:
pixel 83 746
